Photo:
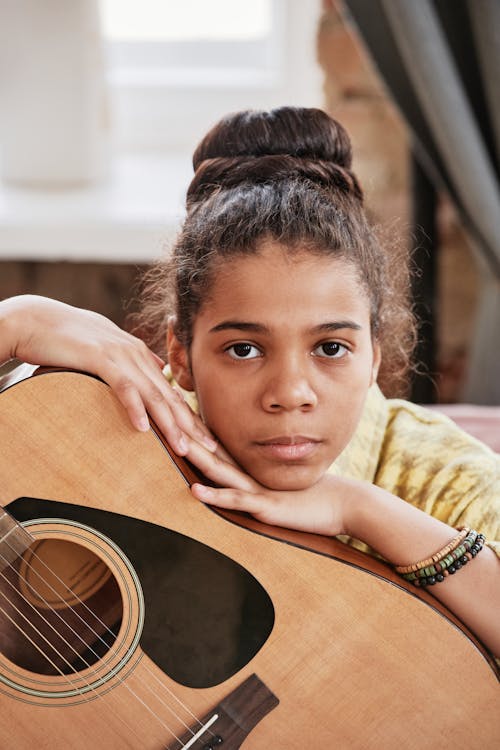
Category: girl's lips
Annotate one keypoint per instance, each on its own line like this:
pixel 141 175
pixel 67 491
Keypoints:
pixel 288 448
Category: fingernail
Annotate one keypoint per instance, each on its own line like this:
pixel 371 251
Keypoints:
pixel 143 424
pixel 183 444
pixel 204 492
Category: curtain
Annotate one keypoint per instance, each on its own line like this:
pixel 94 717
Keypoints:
pixel 440 60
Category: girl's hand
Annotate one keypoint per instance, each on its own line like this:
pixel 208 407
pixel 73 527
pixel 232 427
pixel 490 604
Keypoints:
pixel 318 509
pixel 45 332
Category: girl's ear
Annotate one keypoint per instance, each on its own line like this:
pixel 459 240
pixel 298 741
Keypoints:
pixel 377 357
pixel 178 358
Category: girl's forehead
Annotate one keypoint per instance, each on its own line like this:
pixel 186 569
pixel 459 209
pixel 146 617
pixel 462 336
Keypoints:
pixel 274 279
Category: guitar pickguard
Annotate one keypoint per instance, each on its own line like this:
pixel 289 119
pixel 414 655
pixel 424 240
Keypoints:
pixel 206 615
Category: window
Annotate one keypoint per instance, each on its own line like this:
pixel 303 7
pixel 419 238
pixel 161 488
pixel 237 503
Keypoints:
pixel 175 67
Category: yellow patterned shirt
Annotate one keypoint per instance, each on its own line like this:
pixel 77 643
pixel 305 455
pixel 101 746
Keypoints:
pixel 424 458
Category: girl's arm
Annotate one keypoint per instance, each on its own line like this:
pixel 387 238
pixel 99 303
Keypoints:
pixel 401 533
pixel 45 332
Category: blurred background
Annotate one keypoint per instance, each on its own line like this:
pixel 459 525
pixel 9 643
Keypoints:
pixel 103 101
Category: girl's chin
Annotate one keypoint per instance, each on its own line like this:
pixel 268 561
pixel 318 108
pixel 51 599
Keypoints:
pixel 289 478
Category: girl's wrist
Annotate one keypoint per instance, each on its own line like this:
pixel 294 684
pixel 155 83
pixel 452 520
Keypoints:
pixel 361 511
pixel 357 501
pixel 396 529
pixel 8 336
pixel 22 320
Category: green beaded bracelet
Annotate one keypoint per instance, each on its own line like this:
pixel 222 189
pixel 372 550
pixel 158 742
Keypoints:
pixel 458 563
pixel 442 565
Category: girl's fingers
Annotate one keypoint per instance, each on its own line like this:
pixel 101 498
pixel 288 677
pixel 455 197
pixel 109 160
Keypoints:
pixel 219 470
pixel 222 453
pixel 189 422
pixel 139 395
pixel 142 388
pixel 164 402
pixel 130 396
pixel 131 400
pixel 159 361
pixel 230 499
pixel 288 509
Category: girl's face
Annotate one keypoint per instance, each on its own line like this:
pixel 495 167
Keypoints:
pixel 281 361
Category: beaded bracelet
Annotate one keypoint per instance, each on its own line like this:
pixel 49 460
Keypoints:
pixel 431 580
pixel 446 562
pixel 471 545
pixel 464 530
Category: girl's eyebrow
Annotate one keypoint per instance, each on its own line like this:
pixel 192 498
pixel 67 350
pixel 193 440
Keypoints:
pixel 241 325
pixel 337 325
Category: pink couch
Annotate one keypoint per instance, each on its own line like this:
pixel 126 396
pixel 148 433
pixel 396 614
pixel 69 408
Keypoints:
pixel 481 421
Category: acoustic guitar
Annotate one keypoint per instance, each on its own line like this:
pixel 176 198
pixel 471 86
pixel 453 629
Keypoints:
pixel 134 617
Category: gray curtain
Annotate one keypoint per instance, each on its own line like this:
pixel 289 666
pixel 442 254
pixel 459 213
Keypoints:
pixel 441 62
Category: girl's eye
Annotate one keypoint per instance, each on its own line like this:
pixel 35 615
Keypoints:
pixel 330 350
pixel 243 351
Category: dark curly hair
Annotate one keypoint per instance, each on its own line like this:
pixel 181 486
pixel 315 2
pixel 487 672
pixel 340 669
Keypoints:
pixel 283 175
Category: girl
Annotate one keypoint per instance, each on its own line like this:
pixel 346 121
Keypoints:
pixel 282 313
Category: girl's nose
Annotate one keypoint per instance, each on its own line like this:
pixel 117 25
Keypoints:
pixel 287 390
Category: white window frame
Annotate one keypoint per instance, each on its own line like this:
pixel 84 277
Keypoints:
pixel 170 107
pixel 158 119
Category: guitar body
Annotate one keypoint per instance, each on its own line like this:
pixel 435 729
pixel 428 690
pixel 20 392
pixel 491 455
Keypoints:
pixel 184 614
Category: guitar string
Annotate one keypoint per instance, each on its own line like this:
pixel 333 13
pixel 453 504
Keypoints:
pixel 89 647
pixel 35 645
pixel 42 617
pixel 184 706
pixel 88 684
pixel 64 675
pixel 58 669
pixel 38 632
pixel 99 637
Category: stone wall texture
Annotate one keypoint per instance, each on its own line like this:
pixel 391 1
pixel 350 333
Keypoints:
pixel 355 95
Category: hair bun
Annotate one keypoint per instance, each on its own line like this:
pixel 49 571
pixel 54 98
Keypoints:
pixel 284 143
pixel 221 172
pixel 295 131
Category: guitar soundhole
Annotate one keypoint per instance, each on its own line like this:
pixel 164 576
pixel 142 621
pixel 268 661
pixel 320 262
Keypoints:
pixel 60 608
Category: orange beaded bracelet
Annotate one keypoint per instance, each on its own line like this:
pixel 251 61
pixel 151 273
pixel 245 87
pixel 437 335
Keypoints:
pixel 437 557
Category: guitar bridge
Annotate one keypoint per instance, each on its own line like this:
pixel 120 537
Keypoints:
pixel 232 720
